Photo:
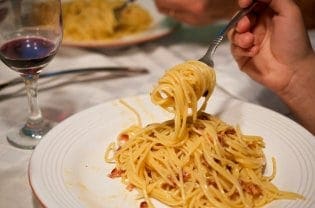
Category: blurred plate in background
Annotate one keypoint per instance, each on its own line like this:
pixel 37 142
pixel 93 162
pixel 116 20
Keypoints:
pixel 160 27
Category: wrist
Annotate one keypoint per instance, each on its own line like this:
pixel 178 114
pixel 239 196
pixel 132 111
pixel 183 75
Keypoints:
pixel 299 95
pixel 302 81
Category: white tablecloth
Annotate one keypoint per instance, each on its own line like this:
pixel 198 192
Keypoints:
pixel 72 96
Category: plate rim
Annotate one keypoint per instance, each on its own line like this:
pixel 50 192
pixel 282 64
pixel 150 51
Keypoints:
pixel 120 43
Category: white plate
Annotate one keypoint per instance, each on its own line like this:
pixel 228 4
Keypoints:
pixel 161 26
pixel 67 168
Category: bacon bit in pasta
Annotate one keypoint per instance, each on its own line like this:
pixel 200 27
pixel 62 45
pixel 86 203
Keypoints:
pixel 144 204
pixel 229 168
pixel 221 140
pixel 168 186
pixel 252 145
pixel 222 135
pixel 153 135
pixel 217 160
pixel 186 176
pixel 130 187
pixel 116 173
pixel 165 186
pixel 251 188
pixel 211 182
pixel 123 138
pixel 234 196
pixel 230 131
pixel 204 116
pixel 199 126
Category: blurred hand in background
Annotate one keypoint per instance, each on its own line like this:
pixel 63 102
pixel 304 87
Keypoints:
pixel 205 12
pixel 197 12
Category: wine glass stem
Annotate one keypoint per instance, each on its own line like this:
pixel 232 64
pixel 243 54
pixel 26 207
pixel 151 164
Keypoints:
pixel 35 117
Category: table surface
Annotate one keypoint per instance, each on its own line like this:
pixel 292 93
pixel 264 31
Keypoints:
pixel 63 96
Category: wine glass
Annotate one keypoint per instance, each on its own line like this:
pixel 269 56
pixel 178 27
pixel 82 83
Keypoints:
pixel 30 35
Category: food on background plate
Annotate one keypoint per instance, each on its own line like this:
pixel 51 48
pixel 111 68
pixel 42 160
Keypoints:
pixel 195 159
pixel 96 20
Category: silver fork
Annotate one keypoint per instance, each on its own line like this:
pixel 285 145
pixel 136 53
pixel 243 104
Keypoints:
pixel 208 57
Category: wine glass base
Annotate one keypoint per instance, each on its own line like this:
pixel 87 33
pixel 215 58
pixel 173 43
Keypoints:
pixel 26 138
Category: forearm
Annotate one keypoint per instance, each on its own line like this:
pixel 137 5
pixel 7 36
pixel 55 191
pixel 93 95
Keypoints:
pixel 300 94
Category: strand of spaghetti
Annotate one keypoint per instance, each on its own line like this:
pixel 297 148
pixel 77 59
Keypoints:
pixel 139 121
pixel 111 148
pixel 274 170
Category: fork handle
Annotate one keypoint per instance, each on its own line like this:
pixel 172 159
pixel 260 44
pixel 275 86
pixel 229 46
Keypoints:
pixel 220 36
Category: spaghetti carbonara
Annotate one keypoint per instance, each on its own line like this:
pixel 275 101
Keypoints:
pixel 194 160
pixel 97 20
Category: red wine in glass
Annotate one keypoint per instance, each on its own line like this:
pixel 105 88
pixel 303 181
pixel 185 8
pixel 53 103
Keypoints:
pixel 27 55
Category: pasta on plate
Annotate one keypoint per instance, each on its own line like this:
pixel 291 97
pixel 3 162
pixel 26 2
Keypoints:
pixel 96 20
pixel 194 160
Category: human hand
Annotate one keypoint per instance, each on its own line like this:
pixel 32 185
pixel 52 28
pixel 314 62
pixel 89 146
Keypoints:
pixel 197 13
pixel 272 45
